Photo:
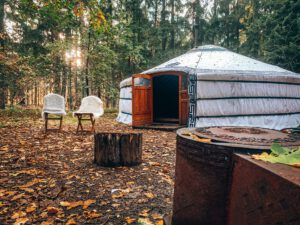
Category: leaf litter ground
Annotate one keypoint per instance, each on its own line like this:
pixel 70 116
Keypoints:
pixel 51 178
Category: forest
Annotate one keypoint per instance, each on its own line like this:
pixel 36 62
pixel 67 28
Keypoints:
pixel 86 47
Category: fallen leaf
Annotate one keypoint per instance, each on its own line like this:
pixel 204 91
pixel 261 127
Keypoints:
pixel 16 197
pixel 21 221
pixel 144 221
pixel 47 223
pixel 93 214
pixel 71 205
pixel 30 190
pixel 4 148
pixel 156 216
pixel 130 220
pixel 52 210
pixel 71 222
pixel 19 214
pixel 160 222
pixel 32 207
pixel 31 183
pixel 149 195
pixel 144 213
pixel 154 164
pixel 87 203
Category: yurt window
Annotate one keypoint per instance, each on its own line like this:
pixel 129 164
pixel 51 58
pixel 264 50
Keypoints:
pixel 142 82
pixel 184 83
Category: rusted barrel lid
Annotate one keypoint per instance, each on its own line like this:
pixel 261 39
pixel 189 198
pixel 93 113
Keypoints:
pixel 244 137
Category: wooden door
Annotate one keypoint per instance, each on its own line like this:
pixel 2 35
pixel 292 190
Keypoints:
pixel 141 100
pixel 183 99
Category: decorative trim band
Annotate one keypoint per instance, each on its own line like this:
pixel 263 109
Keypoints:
pixel 126 113
pixel 249 97
pixel 243 115
pixel 249 81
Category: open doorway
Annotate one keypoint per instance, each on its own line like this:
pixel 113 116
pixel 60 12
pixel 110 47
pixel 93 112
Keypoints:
pixel 166 99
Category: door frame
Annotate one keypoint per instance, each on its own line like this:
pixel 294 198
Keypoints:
pixel 182 92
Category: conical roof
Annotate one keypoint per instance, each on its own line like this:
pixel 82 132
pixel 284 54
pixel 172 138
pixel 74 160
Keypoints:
pixel 214 62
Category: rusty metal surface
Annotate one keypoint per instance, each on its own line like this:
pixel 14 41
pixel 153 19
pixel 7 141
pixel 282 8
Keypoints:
pixel 248 136
pixel 208 175
pixel 201 183
pixel 263 193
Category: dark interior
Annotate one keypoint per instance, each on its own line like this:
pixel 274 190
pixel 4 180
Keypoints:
pixel 165 99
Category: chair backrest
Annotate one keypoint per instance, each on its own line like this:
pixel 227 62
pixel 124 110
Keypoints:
pixel 54 102
pixel 91 104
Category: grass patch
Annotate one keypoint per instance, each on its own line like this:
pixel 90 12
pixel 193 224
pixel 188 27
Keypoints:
pixel 19 112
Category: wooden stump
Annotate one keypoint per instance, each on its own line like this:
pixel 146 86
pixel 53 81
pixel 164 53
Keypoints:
pixel 118 149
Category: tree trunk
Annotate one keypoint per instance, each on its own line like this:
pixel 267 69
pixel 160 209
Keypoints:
pixel 118 149
pixel 87 65
pixel 2 79
pixel 172 40
pixel 163 26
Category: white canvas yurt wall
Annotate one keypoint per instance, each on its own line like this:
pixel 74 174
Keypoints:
pixel 228 89
pixel 125 103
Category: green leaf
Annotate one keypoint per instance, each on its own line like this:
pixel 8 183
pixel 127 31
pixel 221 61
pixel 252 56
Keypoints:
pixel 278 149
pixel 280 154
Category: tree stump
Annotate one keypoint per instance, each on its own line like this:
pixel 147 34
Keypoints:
pixel 117 149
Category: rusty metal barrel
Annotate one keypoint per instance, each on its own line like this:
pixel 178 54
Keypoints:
pixel 204 168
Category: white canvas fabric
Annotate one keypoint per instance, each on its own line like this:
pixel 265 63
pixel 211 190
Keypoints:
pixel 54 104
pixel 125 102
pixel 271 122
pixel 91 104
pixel 235 90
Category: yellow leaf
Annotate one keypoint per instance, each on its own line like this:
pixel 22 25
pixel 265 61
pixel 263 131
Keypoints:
pixel 154 164
pixel 9 193
pixel 144 214
pixel 19 214
pixel 65 203
pixel 130 220
pixel 30 190
pixel 71 222
pixel 32 207
pixel 16 197
pixel 156 216
pixel 145 221
pixel 71 205
pixel 160 222
pixel 88 202
pixel 94 214
pixel 31 183
pixel 4 148
pixel 21 221
pixel 149 195
pixel 47 223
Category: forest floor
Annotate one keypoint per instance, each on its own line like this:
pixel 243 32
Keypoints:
pixel 51 178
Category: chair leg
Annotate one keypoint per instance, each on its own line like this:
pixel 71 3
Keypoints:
pixel 46 122
pixel 93 122
pixel 60 123
pixel 79 117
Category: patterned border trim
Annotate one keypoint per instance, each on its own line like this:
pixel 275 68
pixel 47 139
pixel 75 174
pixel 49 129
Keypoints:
pixel 125 98
pixel 192 90
pixel 126 113
pixel 249 115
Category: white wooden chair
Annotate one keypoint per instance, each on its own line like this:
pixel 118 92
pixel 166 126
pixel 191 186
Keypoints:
pixel 54 104
pixel 91 107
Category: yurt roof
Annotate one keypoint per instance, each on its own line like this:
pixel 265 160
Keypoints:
pixel 214 62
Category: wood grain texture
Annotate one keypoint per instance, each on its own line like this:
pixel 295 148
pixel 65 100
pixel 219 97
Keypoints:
pixel 118 149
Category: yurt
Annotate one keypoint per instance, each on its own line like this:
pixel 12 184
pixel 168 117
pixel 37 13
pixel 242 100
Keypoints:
pixel 212 86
